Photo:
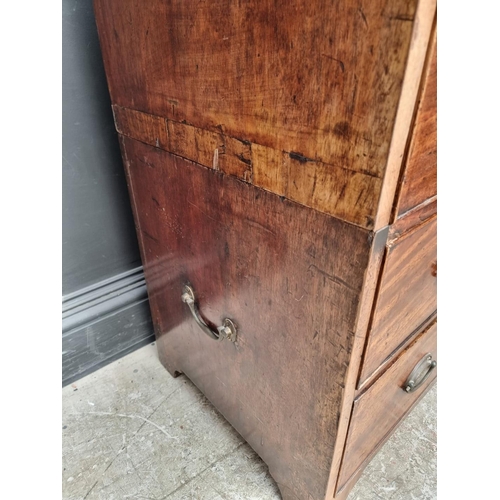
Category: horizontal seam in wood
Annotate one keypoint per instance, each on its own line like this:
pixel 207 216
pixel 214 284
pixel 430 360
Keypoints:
pixel 415 209
pixel 396 239
pixel 289 200
pixel 395 354
pixel 379 444
pixel 246 142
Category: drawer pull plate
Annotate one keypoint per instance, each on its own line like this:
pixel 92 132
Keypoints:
pixel 226 331
pixel 420 373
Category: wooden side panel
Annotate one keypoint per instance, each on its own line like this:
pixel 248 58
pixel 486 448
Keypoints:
pixel 316 78
pixel 419 182
pixel 377 411
pixel 290 278
pixel 407 295
pixel 318 82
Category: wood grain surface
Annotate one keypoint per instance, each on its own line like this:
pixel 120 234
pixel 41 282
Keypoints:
pixel 378 410
pixel 422 30
pixel 290 278
pixel 413 218
pixel 419 182
pixel 362 321
pixel 406 297
pixel 317 81
pixel 263 143
pixel 333 190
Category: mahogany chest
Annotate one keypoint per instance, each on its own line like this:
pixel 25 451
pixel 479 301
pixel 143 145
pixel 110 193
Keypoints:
pixel 281 162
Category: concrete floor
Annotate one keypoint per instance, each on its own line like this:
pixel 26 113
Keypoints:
pixel 131 431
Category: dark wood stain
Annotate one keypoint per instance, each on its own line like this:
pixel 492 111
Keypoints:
pixel 247 255
pixel 300 158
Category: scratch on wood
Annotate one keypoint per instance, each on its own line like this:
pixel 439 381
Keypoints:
pixel 145 233
pixel 335 279
pixel 352 105
pixel 342 66
pixel 146 162
pixel 215 161
pixel 401 18
pixel 204 213
pixel 314 182
pixel 362 14
pixel 260 226
pixel 359 196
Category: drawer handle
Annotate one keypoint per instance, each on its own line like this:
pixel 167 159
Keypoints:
pixel 420 373
pixel 226 331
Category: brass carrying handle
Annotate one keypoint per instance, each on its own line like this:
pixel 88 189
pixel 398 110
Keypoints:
pixel 420 373
pixel 226 331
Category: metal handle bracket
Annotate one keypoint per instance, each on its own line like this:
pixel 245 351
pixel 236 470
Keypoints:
pixel 226 331
pixel 420 373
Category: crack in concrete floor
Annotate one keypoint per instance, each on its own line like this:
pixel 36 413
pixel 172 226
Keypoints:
pixel 131 431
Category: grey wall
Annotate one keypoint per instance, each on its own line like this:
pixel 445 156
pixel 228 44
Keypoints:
pixel 98 231
pixel 100 251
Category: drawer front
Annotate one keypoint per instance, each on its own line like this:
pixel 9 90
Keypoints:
pixel 289 278
pixel 377 411
pixel 419 182
pixel 406 297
